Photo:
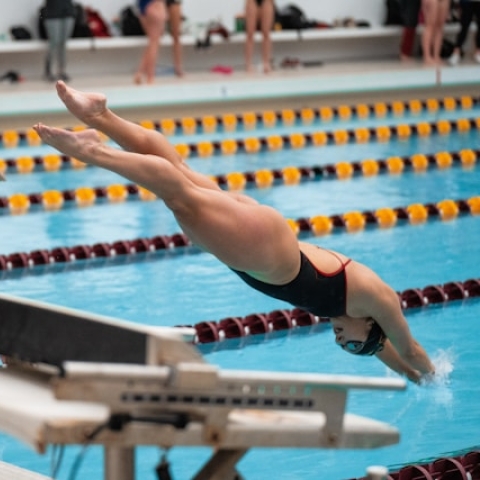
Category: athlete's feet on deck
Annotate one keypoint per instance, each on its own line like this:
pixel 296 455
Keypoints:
pixel 87 107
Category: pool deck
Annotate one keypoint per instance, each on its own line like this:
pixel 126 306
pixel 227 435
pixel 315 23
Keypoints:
pixel 198 93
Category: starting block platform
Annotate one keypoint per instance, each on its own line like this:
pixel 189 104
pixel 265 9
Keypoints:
pixel 8 471
pixel 164 394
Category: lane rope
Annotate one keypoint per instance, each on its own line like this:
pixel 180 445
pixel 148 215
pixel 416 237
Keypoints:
pixel 291 319
pixel 351 222
pixel 230 122
pixel 257 144
pixel 52 200
pixel 465 465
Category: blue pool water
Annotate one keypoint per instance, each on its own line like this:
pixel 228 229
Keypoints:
pixel 189 287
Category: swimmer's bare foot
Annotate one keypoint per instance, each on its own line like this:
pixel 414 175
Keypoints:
pixel 87 107
pixel 74 144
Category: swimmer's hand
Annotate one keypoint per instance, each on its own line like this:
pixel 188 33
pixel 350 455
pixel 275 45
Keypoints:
pixel 427 378
pixel 413 375
pixel 2 177
pixel 421 379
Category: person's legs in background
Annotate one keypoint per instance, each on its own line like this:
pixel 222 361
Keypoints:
pixel 410 12
pixel 66 29
pixel 53 29
pixel 267 16
pixel 468 9
pixel 175 20
pixel 153 23
pixel 251 21
pixel 263 12
pixel 466 16
pixel 476 13
pixel 443 10
pixel 435 14
pixel 430 11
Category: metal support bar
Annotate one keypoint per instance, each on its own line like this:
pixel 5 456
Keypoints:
pixel 221 466
pixel 119 463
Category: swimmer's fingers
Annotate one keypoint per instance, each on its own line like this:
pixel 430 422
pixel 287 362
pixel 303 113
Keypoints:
pixel 427 378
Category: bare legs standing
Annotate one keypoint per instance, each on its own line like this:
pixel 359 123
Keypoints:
pixel 435 13
pixel 262 13
pixel 153 23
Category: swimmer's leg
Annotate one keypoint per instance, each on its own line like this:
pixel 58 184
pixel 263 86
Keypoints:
pixel 245 236
pixel 146 170
pixel 91 108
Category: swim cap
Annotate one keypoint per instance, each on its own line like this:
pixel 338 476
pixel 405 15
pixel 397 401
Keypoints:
pixel 374 342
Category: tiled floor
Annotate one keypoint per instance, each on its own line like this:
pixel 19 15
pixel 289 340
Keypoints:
pixel 30 101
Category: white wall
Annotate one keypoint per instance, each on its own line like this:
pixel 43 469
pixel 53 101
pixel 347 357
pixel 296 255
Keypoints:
pixel 24 12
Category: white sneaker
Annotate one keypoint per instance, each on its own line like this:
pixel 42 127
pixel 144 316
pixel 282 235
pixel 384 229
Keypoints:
pixel 454 59
pixel 476 57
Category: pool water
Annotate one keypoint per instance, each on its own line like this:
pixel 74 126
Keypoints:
pixel 188 287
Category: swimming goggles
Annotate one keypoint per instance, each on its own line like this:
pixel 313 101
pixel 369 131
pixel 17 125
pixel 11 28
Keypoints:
pixel 368 347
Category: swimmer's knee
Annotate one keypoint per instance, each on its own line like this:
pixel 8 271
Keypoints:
pixel 183 199
pixel 240 197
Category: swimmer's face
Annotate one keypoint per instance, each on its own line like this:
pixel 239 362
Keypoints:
pixel 359 336
pixel 349 329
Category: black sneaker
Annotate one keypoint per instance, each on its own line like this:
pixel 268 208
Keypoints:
pixel 64 77
pixel 49 77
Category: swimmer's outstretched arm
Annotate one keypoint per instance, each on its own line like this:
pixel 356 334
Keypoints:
pixel 402 352
pixel 371 297
pixel 390 357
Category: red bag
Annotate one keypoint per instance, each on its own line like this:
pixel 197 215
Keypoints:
pixel 97 24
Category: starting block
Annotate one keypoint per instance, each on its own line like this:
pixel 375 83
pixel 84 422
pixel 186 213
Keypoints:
pixel 118 384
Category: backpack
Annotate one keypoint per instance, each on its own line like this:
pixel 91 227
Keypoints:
pixel 394 13
pixel 446 50
pixel 130 25
pixel 81 28
pixel 19 32
pixel 291 18
pixel 97 25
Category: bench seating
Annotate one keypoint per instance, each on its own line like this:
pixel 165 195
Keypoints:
pixel 119 55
